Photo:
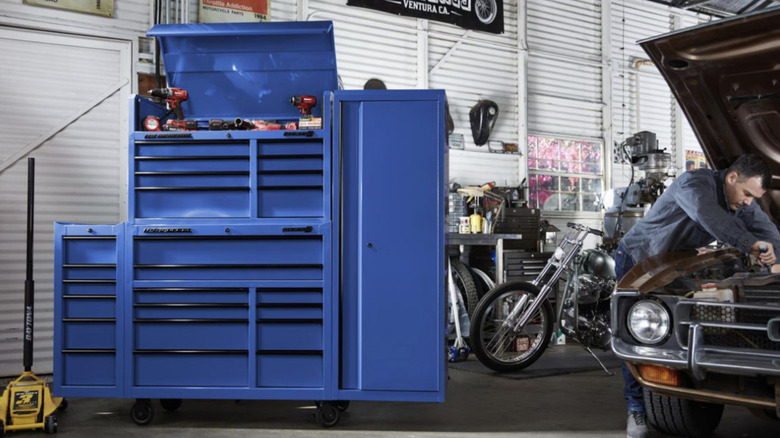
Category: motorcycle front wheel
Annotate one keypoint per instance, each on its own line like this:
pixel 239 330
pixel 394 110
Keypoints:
pixel 494 339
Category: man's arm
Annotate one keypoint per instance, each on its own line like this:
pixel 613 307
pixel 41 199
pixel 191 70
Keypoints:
pixel 761 226
pixel 697 196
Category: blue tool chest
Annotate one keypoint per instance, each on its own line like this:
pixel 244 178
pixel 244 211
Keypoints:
pixel 273 264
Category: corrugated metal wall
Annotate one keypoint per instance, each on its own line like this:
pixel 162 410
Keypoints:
pixel 564 68
pixel 79 176
pixel 408 53
pixel 657 110
pixel 131 18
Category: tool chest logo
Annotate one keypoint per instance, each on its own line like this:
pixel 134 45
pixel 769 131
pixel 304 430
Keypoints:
pixel 484 15
pixel 25 401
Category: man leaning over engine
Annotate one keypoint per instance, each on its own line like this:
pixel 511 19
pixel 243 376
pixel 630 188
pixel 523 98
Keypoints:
pixel 698 208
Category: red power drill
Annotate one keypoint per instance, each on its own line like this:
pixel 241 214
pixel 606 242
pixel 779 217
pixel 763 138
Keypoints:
pixel 304 103
pixel 174 97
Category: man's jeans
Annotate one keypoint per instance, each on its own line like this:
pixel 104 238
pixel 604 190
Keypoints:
pixel 632 390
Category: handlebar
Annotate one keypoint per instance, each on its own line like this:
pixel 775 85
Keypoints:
pixel 581 227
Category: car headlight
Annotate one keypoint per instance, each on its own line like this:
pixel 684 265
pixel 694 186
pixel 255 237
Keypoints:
pixel 648 322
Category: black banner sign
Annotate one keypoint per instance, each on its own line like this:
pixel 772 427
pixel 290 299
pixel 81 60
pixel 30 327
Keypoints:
pixel 484 15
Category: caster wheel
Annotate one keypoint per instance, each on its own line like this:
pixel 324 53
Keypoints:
pixel 327 415
pixel 342 405
pixel 170 404
pixel 50 425
pixel 63 405
pixel 142 412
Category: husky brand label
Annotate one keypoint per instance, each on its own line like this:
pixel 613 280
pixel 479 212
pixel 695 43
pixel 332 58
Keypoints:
pixel 25 400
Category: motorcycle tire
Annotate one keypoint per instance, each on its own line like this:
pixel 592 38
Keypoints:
pixel 535 335
pixel 465 283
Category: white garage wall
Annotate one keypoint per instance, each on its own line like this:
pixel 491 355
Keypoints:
pixel 131 19
pixel 565 68
pixel 408 53
pixel 653 107
pixel 79 175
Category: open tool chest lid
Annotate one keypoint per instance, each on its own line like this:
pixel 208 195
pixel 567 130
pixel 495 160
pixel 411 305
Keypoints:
pixel 248 70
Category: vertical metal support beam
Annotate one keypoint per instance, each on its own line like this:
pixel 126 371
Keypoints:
pixel 678 154
pixel 422 54
pixel 606 90
pixel 302 9
pixel 499 261
pixel 522 88
pixel 127 57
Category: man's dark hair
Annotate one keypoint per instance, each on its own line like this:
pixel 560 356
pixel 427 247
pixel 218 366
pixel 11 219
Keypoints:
pixel 752 165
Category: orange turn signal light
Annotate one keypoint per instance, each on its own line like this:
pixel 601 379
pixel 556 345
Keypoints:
pixel 661 375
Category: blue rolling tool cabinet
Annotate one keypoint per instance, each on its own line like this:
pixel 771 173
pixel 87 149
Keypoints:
pixel 301 264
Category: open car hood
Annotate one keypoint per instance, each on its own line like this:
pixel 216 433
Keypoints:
pixel 655 273
pixel 726 77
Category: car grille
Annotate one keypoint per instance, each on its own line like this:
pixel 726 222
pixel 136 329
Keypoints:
pixel 737 325
pixel 735 337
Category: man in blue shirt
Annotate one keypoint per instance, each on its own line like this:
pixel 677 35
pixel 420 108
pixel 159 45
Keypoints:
pixel 698 208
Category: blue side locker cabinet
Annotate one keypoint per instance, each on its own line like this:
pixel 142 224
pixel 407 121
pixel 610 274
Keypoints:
pixel 302 264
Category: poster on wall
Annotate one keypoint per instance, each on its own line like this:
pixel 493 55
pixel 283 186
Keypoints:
pixel 695 160
pixel 484 15
pixel 229 11
pixel 103 8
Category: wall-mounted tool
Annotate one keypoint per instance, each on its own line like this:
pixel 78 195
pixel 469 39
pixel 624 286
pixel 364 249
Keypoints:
pixel 304 103
pixel 174 97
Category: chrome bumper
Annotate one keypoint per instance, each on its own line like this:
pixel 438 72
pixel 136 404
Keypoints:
pixel 699 358
pixel 690 352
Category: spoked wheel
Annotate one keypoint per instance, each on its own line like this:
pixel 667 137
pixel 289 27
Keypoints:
pixel 495 340
pixel 486 10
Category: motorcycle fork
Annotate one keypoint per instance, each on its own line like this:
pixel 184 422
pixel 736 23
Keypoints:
pixel 570 291
pixel 544 293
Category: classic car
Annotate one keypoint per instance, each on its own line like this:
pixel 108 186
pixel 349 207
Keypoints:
pixel 702 331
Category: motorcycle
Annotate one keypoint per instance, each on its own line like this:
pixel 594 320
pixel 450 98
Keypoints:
pixel 513 323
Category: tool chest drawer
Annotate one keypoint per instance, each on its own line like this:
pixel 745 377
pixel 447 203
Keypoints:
pixel 205 334
pixel 88 270
pixel 290 335
pixel 260 175
pixel 89 334
pixel 191 368
pixel 191 179
pixel 293 370
pixel 290 181
pixel 190 318
pixel 88 369
pixel 228 257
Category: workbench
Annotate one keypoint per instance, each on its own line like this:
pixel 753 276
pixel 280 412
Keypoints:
pixel 497 240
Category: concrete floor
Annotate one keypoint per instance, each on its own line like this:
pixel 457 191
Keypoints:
pixel 580 404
